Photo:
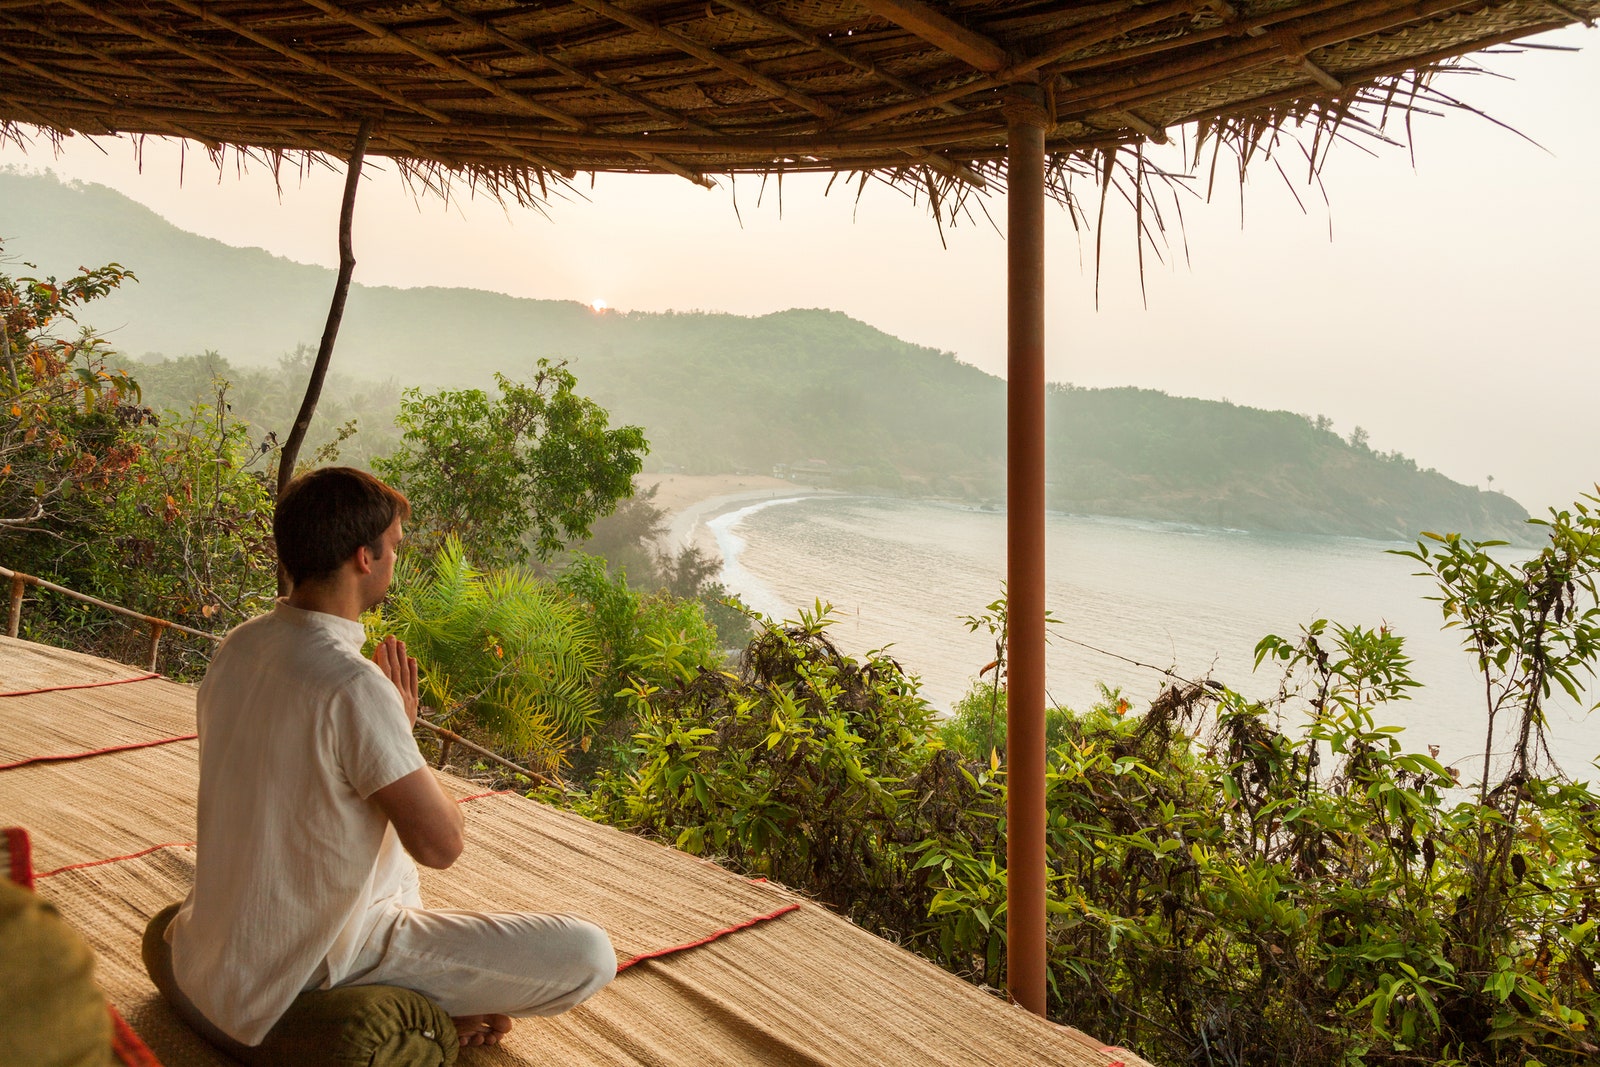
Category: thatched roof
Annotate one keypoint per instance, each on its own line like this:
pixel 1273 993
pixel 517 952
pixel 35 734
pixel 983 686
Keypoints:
pixel 514 93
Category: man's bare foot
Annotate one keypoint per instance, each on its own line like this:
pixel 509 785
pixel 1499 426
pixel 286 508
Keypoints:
pixel 482 1029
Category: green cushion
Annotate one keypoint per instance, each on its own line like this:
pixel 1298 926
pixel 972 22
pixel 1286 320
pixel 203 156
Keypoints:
pixel 51 1012
pixel 355 1026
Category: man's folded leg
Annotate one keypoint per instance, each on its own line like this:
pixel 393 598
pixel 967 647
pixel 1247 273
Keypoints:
pixel 490 963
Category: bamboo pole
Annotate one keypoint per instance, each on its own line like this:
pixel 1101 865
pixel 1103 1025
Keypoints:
pixel 157 628
pixel 330 331
pixel 827 48
pixel 450 737
pixel 14 620
pixel 1026 119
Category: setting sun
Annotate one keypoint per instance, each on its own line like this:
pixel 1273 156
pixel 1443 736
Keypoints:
pixel 599 303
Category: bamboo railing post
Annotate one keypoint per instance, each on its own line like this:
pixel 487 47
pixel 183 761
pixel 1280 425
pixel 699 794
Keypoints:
pixel 330 330
pixel 157 628
pixel 14 620
pixel 1026 119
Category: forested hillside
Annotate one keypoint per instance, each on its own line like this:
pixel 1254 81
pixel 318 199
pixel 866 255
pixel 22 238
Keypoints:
pixel 825 397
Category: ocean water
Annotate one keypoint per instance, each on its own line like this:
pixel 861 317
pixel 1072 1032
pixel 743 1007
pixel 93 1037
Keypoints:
pixel 901 574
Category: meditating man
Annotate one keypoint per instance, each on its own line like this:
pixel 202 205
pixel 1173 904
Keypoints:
pixel 312 792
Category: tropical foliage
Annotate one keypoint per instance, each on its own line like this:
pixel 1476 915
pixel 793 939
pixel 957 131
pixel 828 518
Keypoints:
pixel 1232 882
pixel 499 649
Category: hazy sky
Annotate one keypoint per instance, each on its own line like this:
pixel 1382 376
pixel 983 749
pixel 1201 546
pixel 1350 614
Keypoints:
pixel 1451 308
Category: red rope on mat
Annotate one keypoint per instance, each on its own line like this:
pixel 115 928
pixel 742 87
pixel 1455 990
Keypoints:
pixel 80 685
pixel 96 751
pixel 492 793
pixel 114 859
pixel 786 909
pixel 126 1046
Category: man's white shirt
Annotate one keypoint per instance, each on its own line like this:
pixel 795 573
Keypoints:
pixel 296 864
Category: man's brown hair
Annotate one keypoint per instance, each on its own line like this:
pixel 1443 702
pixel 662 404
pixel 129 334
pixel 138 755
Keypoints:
pixel 324 515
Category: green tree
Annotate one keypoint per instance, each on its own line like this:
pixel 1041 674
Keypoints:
pixel 526 471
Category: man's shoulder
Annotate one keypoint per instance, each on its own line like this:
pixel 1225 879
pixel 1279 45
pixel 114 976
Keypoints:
pixel 307 656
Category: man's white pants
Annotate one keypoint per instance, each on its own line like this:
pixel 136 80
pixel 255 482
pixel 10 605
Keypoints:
pixel 477 963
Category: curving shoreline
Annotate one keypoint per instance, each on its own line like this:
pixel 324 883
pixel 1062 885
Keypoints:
pixel 691 501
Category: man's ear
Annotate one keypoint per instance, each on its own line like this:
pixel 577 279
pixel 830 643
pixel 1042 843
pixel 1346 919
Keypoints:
pixel 362 560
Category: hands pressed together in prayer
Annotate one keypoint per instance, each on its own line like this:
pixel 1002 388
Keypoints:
pixel 401 669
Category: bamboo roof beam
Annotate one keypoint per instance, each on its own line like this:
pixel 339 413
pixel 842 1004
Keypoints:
pixel 1252 51
pixel 759 80
pixel 113 62
pixel 674 167
pixel 1320 76
pixel 591 82
pixel 972 48
pixel 705 54
pixel 811 40
pixel 536 161
pixel 1233 27
pixel 1368 74
pixel 1130 121
pixel 307 61
pixel 448 65
pixel 231 69
pixel 1025 69
pixel 973 130
pixel 1569 12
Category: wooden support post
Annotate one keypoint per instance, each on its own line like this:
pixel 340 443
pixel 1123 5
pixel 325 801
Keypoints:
pixel 1026 119
pixel 157 628
pixel 444 752
pixel 330 331
pixel 14 621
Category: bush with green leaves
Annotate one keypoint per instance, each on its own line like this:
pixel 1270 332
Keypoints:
pixel 976 725
pixel 805 765
pixel 629 540
pixel 650 639
pixel 188 535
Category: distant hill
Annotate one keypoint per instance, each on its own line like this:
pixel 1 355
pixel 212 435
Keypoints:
pixel 827 397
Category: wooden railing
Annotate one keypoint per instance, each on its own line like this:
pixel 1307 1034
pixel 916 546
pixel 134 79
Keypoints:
pixel 20 583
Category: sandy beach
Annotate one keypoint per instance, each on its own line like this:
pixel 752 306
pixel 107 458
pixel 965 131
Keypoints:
pixel 693 500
